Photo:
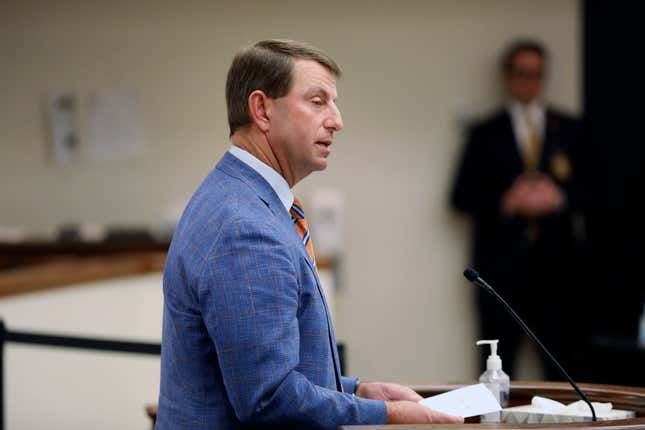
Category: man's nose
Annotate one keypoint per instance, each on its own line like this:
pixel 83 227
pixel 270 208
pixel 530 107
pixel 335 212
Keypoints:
pixel 335 120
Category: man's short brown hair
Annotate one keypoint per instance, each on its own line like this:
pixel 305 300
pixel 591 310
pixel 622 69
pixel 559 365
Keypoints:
pixel 266 66
pixel 519 46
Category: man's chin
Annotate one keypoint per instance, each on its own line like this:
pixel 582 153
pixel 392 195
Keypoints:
pixel 318 163
pixel 321 164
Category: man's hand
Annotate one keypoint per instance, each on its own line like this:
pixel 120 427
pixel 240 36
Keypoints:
pixel 548 197
pixel 532 195
pixel 515 200
pixel 402 404
pixel 386 391
pixel 405 412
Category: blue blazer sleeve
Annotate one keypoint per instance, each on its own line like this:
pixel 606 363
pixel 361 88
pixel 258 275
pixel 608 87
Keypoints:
pixel 349 384
pixel 249 298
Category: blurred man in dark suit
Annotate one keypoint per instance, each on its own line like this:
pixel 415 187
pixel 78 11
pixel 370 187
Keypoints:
pixel 519 180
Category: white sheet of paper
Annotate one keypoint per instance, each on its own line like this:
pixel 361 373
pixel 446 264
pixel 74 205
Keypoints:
pixel 464 402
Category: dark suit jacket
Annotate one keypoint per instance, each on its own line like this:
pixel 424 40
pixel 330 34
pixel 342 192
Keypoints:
pixel 247 339
pixel 491 161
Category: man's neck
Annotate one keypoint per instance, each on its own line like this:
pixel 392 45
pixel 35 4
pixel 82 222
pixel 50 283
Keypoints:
pixel 531 104
pixel 256 144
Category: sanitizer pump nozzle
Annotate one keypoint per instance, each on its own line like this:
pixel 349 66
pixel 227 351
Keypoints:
pixel 493 362
pixel 495 379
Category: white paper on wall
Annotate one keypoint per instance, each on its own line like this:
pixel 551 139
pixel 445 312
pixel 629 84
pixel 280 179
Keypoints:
pixel 326 208
pixel 115 126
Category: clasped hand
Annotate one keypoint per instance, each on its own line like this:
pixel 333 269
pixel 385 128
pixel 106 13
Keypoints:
pixel 532 195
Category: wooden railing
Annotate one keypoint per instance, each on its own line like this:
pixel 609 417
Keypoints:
pixel 29 267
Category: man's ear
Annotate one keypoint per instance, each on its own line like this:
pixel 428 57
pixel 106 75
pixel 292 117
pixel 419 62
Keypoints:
pixel 260 110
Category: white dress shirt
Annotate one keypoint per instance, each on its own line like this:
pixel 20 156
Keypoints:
pixel 519 112
pixel 277 182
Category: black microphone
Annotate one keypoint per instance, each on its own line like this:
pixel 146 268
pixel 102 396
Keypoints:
pixel 473 276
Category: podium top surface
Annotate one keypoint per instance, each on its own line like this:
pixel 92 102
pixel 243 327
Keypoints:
pixel 633 424
pixel 621 397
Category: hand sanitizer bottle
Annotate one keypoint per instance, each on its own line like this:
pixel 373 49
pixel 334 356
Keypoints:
pixel 495 379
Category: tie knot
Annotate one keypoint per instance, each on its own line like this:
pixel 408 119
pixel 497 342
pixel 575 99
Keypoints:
pixel 529 117
pixel 296 209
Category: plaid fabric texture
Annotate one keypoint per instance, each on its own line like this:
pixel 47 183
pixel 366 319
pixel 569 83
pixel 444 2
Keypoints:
pixel 246 332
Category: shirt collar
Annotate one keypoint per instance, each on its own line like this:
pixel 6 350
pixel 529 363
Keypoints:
pixel 534 109
pixel 275 180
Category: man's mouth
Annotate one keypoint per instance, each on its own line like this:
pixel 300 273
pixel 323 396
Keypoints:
pixel 325 143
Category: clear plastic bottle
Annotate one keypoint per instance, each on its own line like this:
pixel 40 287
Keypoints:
pixel 496 380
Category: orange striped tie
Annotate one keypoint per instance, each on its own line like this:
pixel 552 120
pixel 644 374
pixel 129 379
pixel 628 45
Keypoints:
pixel 298 218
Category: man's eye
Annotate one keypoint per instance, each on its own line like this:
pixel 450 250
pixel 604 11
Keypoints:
pixel 317 101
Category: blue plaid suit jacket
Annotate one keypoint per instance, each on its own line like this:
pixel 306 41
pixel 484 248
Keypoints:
pixel 246 329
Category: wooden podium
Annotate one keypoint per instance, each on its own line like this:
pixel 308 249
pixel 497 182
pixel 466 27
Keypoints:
pixel 627 398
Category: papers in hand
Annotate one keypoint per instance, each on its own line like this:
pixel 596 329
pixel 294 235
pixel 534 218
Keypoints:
pixel 464 402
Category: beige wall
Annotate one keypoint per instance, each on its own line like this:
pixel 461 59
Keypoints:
pixel 412 68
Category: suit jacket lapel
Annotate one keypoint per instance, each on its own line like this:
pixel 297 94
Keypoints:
pixel 550 137
pixel 232 166
pixel 509 138
pixel 330 326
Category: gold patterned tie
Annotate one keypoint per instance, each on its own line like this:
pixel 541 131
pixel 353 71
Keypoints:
pixel 532 156
pixel 533 149
pixel 298 218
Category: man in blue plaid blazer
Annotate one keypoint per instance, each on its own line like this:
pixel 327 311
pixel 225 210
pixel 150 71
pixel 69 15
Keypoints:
pixel 247 337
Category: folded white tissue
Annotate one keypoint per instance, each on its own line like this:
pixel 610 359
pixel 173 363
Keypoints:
pixel 543 410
